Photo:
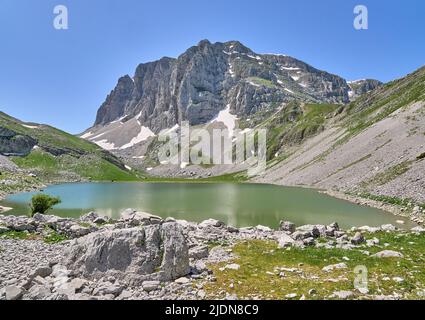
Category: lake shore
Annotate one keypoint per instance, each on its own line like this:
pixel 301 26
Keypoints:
pixel 207 260
pixel 402 211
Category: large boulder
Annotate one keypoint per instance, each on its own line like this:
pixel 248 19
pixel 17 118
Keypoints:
pixel 135 218
pixel 154 252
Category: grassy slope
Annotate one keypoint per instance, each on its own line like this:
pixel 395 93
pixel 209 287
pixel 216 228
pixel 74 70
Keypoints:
pixel 83 159
pixel 294 123
pixel 260 262
pixel 382 102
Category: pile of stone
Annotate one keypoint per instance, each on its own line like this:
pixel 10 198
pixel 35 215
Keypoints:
pixel 141 256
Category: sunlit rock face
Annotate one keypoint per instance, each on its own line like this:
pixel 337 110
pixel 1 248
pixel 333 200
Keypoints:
pixel 204 81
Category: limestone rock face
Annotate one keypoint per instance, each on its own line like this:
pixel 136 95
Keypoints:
pixel 156 252
pixel 205 80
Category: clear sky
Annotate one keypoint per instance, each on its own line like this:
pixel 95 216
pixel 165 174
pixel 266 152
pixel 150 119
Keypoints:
pixel 62 77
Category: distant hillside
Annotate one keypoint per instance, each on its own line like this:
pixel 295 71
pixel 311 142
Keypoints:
pixel 375 146
pixel 54 155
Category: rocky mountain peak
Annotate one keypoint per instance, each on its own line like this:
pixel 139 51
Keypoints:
pixel 203 81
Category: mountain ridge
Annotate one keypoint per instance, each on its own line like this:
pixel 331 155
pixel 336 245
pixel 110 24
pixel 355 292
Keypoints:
pixel 203 81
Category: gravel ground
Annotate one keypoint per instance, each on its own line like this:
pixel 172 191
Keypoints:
pixel 20 258
pixel 354 164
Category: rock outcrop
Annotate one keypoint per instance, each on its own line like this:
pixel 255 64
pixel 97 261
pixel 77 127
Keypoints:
pixel 157 252
pixel 15 144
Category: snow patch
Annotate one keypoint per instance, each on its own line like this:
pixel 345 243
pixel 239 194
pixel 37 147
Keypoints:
pixel 290 68
pixel 118 120
pixel 232 73
pixel 86 135
pixel 276 54
pixel 143 135
pixel 30 127
pixel 356 81
pixel 295 78
pixel 254 57
pixel 290 91
pixel 228 119
pixel 104 144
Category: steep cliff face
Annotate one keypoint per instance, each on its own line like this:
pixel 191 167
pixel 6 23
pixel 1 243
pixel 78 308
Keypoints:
pixel 203 81
pixel 363 86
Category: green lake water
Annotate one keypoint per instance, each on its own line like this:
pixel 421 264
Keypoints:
pixel 236 204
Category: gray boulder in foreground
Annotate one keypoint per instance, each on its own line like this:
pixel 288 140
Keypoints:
pixel 159 252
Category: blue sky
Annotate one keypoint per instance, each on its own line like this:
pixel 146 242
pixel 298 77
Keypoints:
pixel 62 77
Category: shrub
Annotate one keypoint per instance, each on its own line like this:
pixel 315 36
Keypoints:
pixel 41 203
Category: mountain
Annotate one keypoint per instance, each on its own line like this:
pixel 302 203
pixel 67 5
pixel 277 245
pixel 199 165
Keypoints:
pixel 53 155
pixel 205 80
pixel 374 146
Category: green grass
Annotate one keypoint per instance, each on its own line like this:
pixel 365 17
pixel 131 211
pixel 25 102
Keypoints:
pixel 237 177
pixel 47 135
pixel 66 155
pixel 262 82
pixel 379 104
pixel 385 199
pixel 19 235
pixel 390 174
pixel 54 237
pixel 294 124
pixel 89 167
pixel 260 258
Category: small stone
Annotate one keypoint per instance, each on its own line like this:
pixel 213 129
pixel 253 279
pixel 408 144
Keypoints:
pixel 199 252
pixel 343 294
pixel 388 227
pixel 100 220
pixel 263 228
pixel 149 286
pixel 309 241
pixel 291 296
pixel 418 229
pixel 357 239
pixel 232 266
pixel 14 292
pixel 182 280
pixel 337 266
pixel 312 292
pixel 43 272
pixel 388 254
pixel 211 223
pixel 285 241
pixel 287 226
pixel 201 294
